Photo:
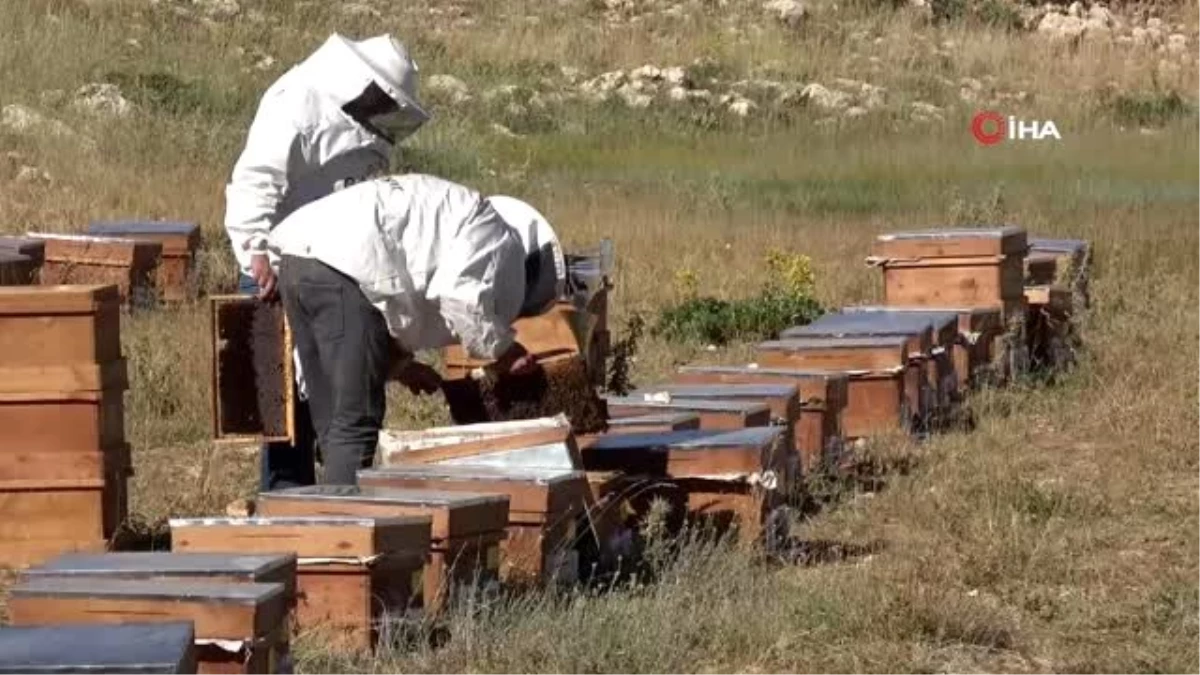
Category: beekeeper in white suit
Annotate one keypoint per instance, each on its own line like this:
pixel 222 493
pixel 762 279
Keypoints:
pixel 394 265
pixel 329 122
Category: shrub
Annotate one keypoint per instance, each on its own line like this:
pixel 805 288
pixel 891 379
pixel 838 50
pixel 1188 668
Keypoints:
pixel 1153 109
pixel 786 299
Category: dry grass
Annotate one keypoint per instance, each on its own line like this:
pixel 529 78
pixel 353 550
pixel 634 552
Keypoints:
pixel 1061 535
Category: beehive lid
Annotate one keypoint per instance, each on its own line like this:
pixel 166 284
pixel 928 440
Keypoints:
pixel 1059 246
pixel 753 368
pixel 664 419
pixel 699 405
pixel 954 233
pixel 44 300
pixel 897 309
pixel 717 391
pixel 542 456
pixel 872 323
pixel 536 475
pixel 951 242
pixel 690 439
pixel 300 521
pixel 124 565
pixel 123 227
pixel 131 589
pixel 811 343
pixel 81 238
pixel 374 495
pixel 97 648
pixel 12 256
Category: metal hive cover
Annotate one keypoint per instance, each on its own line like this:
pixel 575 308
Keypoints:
pixel 914 309
pixel 693 439
pixel 96 648
pixel 555 456
pixel 655 418
pixel 383 495
pixel 540 476
pixel 803 343
pixel 194 564
pixel 701 405
pixel 12 256
pixel 22 244
pixel 299 521
pixel 225 593
pixel 953 233
pixel 119 227
pixel 1057 245
pixel 753 369
pixel 707 391
pixel 871 324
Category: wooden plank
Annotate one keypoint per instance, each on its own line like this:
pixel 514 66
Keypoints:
pixel 436 450
pixel 868 353
pixel 954 282
pixel 79 509
pixel 38 468
pixel 877 404
pixel 60 422
pixel 307 537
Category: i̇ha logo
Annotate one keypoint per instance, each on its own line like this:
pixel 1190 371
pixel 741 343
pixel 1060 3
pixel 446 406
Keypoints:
pixel 989 128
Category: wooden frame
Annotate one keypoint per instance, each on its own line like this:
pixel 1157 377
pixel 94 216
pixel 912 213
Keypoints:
pixel 286 364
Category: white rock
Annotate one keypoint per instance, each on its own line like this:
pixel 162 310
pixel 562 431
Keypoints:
pixel 1075 9
pixel 1140 36
pixel 675 12
pixel 634 98
pixel 265 62
pixel 1101 14
pixel 825 98
pixel 742 107
pixel 218 9
pixel 1155 23
pixel 102 98
pixel 676 76
pixel 570 73
pixel 677 93
pixel 23 119
pixel 448 87
pixel 925 108
pixel 605 82
pixel 360 9
pixel 1177 43
pixel 855 111
pixel 32 175
pixel 646 72
pixel 699 95
pixel 504 131
pixel 790 12
pixel 1062 27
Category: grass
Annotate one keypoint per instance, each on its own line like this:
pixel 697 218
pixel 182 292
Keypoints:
pixel 1059 535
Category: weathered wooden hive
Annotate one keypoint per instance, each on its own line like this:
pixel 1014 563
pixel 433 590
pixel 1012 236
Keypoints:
pixel 352 573
pixel 465 534
pixel 174 276
pixel 64 462
pixel 129 264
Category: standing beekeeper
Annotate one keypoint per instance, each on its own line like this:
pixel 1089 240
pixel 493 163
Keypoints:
pixel 329 122
pixel 378 271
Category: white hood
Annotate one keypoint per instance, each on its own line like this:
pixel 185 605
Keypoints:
pixel 345 70
pixel 546 266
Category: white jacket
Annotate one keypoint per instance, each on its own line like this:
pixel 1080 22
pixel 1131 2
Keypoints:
pixel 303 144
pixel 433 256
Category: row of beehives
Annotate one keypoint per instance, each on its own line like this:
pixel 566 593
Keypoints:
pixel 64 461
pixel 146 261
pixel 725 442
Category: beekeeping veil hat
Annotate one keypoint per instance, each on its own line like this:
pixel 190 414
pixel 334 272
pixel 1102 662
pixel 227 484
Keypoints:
pixel 545 265
pixel 374 81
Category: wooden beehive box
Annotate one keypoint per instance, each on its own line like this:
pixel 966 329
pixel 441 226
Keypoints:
pixel 718 414
pixel 352 573
pixel 464 538
pixel 56 325
pixel 540 443
pixel 976 267
pixel 148 648
pixel 239 567
pixel 783 400
pixel 1052 339
pixel 876 354
pixel 1071 267
pixel 727 477
pixel 129 264
pixel 174 276
pixel 818 431
pixel 544 505
pixel 252 371
pixel 665 421
pixel 44 518
pixel 251 614
pixel 931 336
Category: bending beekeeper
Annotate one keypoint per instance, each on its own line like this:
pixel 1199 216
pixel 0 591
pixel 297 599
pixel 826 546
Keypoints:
pixel 329 122
pixel 383 269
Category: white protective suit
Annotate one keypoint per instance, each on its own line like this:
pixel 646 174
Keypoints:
pixel 328 122
pixel 442 263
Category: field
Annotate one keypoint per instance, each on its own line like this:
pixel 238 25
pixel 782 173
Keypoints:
pixel 1059 535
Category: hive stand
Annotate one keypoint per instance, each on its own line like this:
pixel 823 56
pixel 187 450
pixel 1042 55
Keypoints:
pixel 353 575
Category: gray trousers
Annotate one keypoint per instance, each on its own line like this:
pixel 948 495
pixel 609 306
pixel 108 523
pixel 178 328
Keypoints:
pixel 345 352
